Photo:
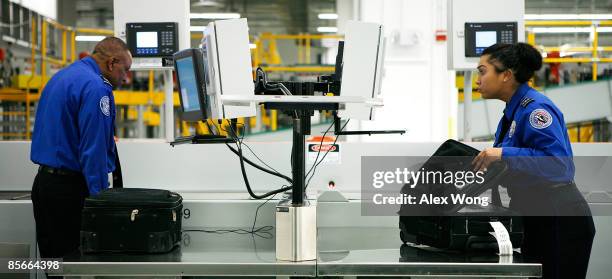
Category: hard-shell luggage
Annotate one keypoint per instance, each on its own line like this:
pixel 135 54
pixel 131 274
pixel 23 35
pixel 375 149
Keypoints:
pixel 452 226
pixel 131 220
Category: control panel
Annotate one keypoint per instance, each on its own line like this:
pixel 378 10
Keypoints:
pixel 480 35
pixel 152 39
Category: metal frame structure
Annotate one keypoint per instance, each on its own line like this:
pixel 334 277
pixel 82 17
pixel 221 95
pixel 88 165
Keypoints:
pixel 594 49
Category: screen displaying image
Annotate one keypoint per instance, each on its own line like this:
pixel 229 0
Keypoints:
pixel 486 38
pixel 146 39
pixel 188 84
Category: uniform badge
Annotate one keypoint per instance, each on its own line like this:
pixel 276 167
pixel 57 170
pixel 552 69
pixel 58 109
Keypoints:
pixel 540 119
pixel 512 129
pixel 105 105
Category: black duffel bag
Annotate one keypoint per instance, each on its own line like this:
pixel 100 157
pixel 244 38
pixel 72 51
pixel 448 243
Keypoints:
pixel 131 220
pixel 456 226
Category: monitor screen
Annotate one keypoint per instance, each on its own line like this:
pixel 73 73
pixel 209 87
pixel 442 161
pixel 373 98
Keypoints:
pixel 146 39
pixel 188 88
pixel 485 39
pixel 190 74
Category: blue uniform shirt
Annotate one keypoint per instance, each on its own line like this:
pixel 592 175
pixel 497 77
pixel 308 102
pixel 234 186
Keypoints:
pixel 536 145
pixel 74 125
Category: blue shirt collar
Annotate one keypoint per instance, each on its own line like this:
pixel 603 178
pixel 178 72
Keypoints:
pixel 89 61
pixel 515 100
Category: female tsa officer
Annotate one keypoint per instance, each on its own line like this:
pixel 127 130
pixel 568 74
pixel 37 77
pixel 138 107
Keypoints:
pixel 532 138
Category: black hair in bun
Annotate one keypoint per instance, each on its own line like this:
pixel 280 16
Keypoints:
pixel 523 59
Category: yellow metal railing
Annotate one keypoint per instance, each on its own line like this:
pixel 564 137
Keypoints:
pixel 23 85
pixel 594 49
pixel 271 57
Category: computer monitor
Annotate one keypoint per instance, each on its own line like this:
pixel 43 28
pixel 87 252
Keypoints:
pixel 230 71
pixel 190 67
pixel 362 64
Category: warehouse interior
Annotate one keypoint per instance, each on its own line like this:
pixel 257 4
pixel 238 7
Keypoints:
pixel 297 41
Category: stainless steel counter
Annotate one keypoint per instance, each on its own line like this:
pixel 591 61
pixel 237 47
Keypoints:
pixel 379 252
pixel 342 252
pixel 15 195
pixel 200 254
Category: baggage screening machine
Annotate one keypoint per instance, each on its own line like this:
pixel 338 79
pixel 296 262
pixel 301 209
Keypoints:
pixel 215 82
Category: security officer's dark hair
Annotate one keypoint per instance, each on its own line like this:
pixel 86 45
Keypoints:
pixel 521 58
pixel 110 46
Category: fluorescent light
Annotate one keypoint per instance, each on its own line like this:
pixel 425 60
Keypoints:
pixel 213 15
pixel 84 38
pixel 568 16
pixel 328 16
pixel 327 29
pixel 252 46
pixel 604 29
pixel 197 28
pixel 558 30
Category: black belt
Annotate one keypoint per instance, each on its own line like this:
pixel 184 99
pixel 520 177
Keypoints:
pixel 562 185
pixel 57 171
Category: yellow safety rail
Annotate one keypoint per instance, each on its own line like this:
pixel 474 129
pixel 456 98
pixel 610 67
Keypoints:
pixel 594 49
pixel 271 56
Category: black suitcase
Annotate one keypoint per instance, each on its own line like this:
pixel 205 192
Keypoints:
pixel 131 220
pixel 457 227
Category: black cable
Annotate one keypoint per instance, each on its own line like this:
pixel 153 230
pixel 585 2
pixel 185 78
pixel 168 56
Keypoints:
pixel 241 141
pixel 248 186
pixel 263 232
pixel 259 159
pixel 279 86
pixel 270 86
pixel 324 155
pixel 253 164
pixel 244 174
pixel 319 152
pixel 258 207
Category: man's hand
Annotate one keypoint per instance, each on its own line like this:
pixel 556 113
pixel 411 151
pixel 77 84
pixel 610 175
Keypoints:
pixel 486 157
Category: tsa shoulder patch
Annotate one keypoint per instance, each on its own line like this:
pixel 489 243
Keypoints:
pixel 105 105
pixel 540 119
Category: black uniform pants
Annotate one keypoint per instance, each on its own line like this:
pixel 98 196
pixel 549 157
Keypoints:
pixel 58 201
pixel 562 240
pixel 561 243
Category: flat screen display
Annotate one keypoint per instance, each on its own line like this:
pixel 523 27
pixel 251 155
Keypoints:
pixel 146 39
pixel 188 84
pixel 485 39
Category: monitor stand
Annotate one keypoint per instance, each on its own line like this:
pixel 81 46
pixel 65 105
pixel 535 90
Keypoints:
pixel 296 219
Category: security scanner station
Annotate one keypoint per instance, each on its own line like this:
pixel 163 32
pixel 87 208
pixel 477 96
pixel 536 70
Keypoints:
pixel 215 82
pixel 218 190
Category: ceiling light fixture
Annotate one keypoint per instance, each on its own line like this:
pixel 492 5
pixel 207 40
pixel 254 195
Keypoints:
pixel 197 28
pixel 85 38
pixel 327 29
pixel 213 15
pixel 207 3
pixel 560 30
pixel 568 16
pixel 328 16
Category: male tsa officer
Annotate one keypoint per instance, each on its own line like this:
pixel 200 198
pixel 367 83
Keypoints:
pixel 73 143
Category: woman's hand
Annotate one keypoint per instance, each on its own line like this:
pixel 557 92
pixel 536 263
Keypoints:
pixel 486 157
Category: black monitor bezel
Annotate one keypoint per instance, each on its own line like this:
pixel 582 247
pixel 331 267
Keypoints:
pixel 132 28
pixel 198 64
